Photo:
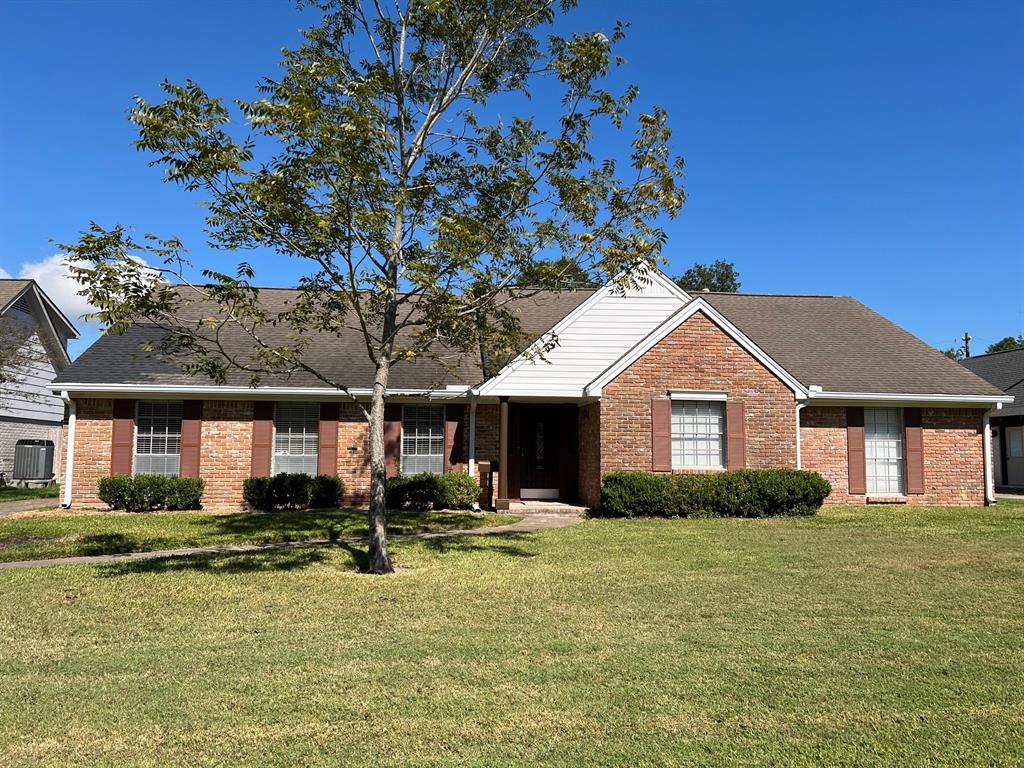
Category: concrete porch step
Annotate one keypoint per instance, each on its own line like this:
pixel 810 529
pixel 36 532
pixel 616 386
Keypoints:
pixel 531 507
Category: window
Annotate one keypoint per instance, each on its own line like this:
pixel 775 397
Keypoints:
pixel 296 437
pixel 422 439
pixel 158 437
pixel 698 434
pixel 1016 442
pixel 883 450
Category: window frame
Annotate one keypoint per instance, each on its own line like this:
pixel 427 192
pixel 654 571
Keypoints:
pixel 275 469
pixel 139 404
pixel 899 461
pixel 710 400
pixel 402 464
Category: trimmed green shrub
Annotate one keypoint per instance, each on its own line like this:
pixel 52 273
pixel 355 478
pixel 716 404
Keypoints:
pixel 326 491
pixel 736 493
pixel 146 493
pixel 638 494
pixel 256 492
pixel 292 490
pixel 113 490
pixel 429 491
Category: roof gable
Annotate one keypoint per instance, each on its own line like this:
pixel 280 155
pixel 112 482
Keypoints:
pixel 595 334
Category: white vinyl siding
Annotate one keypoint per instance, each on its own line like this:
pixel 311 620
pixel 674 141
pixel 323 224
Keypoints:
pixel 296 437
pixel 603 332
pixel 158 437
pixel 422 439
pixel 883 451
pixel 698 434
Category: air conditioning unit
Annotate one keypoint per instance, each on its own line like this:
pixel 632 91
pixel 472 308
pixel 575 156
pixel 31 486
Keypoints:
pixel 33 460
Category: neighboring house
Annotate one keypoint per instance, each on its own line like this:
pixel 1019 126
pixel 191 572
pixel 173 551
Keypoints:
pixel 644 377
pixel 29 410
pixel 1006 371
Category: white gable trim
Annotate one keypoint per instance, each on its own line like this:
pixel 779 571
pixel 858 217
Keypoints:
pixel 593 389
pixel 493 386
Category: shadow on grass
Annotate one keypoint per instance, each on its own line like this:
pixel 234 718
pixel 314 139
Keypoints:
pixel 270 561
pixel 507 544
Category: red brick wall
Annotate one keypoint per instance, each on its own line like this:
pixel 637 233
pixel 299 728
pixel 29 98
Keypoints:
pixel 354 453
pixel 697 355
pixel 93 430
pixel 590 454
pixel 225 450
pixel 952 439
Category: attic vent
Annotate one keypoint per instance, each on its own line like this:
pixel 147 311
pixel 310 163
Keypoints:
pixel 22 305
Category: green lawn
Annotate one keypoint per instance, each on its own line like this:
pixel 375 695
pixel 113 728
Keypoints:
pixel 10 493
pixel 43 536
pixel 873 636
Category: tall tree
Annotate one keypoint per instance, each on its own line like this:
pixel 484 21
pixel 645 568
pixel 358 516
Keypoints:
pixel 1006 344
pixel 718 276
pixel 379 163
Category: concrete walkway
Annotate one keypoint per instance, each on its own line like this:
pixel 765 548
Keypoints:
pixel 529 523
pixel 26 505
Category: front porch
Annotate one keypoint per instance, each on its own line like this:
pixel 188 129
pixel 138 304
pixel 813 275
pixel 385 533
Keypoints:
pixel 539 447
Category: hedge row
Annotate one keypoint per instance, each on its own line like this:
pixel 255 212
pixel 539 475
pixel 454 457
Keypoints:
pixel 430 491
pixel 146 493
pixel 737 493
pixel 293 490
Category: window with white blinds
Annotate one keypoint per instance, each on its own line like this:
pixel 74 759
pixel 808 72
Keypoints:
pixel 883 450
pixel 158 437
pixel 422 439
pixel 698 434
pixel 296 437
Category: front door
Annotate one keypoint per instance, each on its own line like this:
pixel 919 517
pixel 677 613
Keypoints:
pixel 539 447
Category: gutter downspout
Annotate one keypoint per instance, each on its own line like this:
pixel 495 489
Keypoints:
pixel 986 452
pixel 69 456
pixel 471 464
pixel 799 407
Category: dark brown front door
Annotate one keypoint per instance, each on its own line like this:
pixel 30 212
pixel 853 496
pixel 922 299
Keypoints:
pixel 540 443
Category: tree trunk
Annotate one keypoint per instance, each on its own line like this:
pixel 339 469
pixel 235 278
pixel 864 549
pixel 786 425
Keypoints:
pixel 379 561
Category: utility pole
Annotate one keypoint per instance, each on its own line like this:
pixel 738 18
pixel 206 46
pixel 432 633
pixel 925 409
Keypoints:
pixel 967 344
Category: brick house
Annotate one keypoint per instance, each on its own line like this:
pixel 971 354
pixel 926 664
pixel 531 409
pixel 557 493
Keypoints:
pixel 643 376
pixel 1005 370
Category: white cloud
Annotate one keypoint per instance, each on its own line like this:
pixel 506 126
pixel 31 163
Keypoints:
pixel 56 281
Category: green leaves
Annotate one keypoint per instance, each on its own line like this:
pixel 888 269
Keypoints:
pixel 377 162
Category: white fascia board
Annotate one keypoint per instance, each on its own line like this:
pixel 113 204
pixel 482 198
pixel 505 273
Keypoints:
pixel 249 392
pixel 674 321
pixel 43 301
pixel 908 397
pixel 493 385
pixel 47 301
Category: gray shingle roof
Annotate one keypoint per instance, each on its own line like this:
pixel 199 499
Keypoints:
pixel 1006 371
pixel 118 359
pixel 831 341
pixel 839 344
pixel 9 288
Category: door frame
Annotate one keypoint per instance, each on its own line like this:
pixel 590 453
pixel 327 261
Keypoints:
pixel 568 469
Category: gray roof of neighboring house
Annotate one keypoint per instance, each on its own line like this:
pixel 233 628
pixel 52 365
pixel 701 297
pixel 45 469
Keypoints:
pixel 342 358
pixel 837 343
pixel 9 290
pixel 1006 371
pixel 831 341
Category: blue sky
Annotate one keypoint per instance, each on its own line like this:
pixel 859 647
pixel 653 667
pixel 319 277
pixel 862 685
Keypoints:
pixel 867 148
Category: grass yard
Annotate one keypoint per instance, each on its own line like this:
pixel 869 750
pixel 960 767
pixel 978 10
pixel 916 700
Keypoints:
pixel 10 493
pixel 33 536
pixel 878 636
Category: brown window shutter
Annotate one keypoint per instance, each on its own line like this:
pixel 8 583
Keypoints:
pixel 736 435
pixel 191 437
pixel 122 443
pixel 661 435
pixel 392 437
pixel 856 469
pixel 262 438
pixel 453 436
pixel 327 459
pixel 914 441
